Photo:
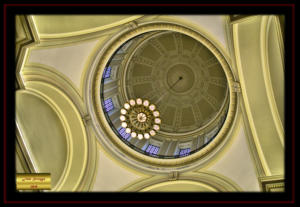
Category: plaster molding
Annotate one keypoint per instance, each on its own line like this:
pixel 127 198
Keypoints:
pixel 272 161
pixel 215 181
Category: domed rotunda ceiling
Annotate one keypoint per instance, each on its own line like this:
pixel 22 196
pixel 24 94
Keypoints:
pixel 178 74
pixel 181 76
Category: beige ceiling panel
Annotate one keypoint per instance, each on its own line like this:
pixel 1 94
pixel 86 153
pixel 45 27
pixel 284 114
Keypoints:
pixel 53 26
pixel 43 134
pixel 141 89
pixel 213 26
pixel 236 162
pixel 141 70
pixel 251 53
pixel 68 60
pixel 111 175
pixel 150 52
pixel 167 42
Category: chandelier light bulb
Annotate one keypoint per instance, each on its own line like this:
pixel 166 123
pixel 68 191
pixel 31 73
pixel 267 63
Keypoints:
pixel 152 107
pixel 123 111
pixel 122 118
pixel 157 120
pixel 133 134
pixel 140 136
pixel 139 101
pixel 156 127
pixel 128 130
pixel 147 136
pixel 126 106
pixel 156 113
pixel 132 102
pixel 146 103
pixel 124 124
pixel 152 133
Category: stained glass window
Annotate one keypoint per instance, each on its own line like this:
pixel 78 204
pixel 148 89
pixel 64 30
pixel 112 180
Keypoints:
pixel 107 72
pixel 108 105
pixel 151 149
pixel 184 152
pixel 122 132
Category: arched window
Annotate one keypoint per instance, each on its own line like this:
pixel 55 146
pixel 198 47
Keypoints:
pixel 151 149
pixel 107 72
pixel 122 132
pixel 184 152
pixel 108 105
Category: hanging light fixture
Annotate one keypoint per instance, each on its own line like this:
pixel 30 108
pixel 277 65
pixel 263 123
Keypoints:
pixel 140 118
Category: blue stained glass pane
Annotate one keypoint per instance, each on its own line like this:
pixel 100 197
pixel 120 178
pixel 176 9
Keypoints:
pixel 107 100
pixel 149 148
pixel 109 109
pixel 121 130
pixel 184 152
pixel 152 150
pixel 107 72
pixel 108 103
pixel 156 150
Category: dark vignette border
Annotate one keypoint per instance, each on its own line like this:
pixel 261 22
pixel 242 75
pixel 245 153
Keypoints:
pixel 10 195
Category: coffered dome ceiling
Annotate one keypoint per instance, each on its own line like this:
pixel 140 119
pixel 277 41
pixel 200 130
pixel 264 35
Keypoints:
pixel 181 76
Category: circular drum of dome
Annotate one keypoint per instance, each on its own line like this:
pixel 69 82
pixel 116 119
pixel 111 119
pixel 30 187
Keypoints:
pixel 179 71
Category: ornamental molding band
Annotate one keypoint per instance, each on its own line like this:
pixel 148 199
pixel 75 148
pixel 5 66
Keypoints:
pixel 204 180
pixel 108 136
pixel 272 183
pixel 259 79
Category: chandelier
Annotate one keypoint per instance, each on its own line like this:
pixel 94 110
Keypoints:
pixel 140 118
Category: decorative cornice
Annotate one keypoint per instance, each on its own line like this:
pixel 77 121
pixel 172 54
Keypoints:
pixel 272 183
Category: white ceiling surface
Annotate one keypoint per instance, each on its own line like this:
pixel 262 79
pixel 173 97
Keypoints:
pixel 237 164
pixel 111 176
pixel 215 25
pixel 68 60
pixel 71 60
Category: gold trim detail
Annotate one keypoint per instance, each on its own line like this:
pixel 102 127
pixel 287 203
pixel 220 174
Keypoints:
pixel 34 181
pixel 272 183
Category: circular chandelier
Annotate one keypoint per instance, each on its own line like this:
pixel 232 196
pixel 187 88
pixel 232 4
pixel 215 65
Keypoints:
pixel 140 118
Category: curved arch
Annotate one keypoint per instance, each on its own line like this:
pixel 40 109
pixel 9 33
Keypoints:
pixel 254 74
pixel 44 135
pixel 103 129
pixel 78 166
pixel 192 181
